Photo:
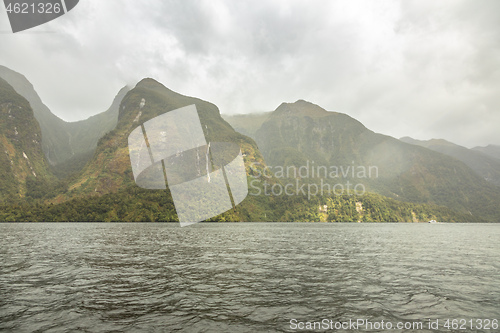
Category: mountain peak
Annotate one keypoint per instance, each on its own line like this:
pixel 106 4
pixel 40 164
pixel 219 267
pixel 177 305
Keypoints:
pixel 301 108
pixel 157 87
pixel 150 83
pixel 305 103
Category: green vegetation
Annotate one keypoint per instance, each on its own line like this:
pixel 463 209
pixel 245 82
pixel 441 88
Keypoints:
pixel 72 166
pixel 139 205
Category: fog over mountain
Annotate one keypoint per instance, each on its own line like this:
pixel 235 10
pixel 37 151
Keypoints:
pixel 423 69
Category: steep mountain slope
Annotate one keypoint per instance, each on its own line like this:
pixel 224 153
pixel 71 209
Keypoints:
pixel 484 165
pixel 23 168
pixel 62 140
pixel 490 150
pixel 299 133
pixel 110 170
pixel 55 141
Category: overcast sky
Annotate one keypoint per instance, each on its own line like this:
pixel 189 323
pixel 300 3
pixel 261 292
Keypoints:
pixel 423 68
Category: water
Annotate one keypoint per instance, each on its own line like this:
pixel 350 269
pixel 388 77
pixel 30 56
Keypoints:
pixel 244 277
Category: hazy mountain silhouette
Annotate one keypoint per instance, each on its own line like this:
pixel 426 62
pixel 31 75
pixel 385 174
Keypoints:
pixel 62 140
pixel 296 133
pixel 95 153
pixel 483 164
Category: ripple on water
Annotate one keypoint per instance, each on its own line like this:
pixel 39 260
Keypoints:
pixel 242 277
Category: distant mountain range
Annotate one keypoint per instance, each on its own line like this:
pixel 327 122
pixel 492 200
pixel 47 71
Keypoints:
pixel 296 133
pixel 62 140
pixel 414 181
pixel 478 159
pixel 490 150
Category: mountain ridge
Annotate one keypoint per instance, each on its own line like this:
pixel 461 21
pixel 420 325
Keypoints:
pixel 490 150
pixel 484 165
pixel 407 172
pixel 300 108
pixel 63 140
pixel 109 169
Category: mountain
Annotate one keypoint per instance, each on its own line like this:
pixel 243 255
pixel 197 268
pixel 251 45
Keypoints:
pixel 62 141
pixel 303 134
pixel 110 170
pixel 55 139
pixel 490 150
pixel 24 170
pixel 298 132
pixel 484 165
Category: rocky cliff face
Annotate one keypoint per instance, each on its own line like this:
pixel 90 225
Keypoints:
pixel 22 162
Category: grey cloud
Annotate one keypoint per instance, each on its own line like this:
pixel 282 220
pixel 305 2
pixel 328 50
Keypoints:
pixel 417 68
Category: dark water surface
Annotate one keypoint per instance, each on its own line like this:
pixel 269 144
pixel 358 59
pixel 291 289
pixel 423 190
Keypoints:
pixel 245 277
